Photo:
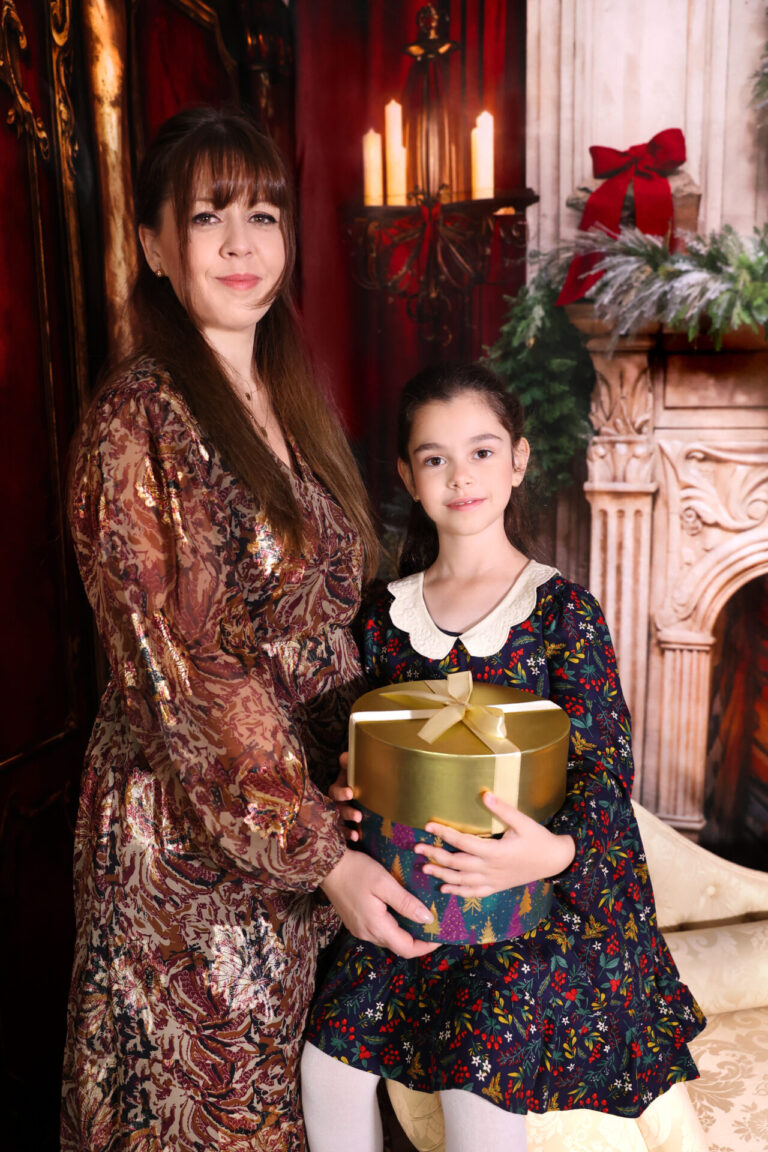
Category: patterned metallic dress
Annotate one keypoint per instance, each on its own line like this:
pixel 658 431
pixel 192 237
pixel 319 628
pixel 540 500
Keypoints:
pixel 586 1010
pixel 203 831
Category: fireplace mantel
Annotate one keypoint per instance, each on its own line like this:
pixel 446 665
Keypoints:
pixel 678 488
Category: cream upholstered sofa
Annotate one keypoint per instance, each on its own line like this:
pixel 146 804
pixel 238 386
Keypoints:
pixel 714 916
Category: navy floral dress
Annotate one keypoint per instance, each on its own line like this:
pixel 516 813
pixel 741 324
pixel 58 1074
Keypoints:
pixel 585 1011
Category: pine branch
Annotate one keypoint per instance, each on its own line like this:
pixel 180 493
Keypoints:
pixel 718 283
pixel 542 357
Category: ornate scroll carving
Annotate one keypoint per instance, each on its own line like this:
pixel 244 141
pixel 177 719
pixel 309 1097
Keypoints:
pixel 622 402
pixel 13 41
pixel 717 500
pixel 60 13
pixel 721 488
pixel 622 452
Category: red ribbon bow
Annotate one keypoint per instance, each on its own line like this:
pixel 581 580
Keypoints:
pixel 647 167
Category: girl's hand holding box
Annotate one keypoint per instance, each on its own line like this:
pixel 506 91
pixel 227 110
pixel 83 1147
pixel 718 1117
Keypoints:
pixel 495 739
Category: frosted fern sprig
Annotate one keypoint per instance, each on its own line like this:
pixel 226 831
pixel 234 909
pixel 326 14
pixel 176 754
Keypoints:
pixel 718 283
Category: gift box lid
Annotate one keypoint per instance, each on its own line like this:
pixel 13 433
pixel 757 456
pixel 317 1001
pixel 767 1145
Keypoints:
pixel 396 772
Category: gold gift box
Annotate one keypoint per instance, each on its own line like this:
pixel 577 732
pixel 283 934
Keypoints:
pixel 396 773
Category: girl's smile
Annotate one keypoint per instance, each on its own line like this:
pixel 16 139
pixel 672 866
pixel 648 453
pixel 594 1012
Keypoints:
pixel 460 505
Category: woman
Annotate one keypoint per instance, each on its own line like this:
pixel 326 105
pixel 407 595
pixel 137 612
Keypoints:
pixel 220 527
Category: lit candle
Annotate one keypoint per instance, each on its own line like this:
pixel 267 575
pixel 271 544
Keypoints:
pixel 482 157
pixel 395 152
pixel 373 173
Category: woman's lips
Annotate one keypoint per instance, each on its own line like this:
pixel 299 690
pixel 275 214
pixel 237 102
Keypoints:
pixel 240 282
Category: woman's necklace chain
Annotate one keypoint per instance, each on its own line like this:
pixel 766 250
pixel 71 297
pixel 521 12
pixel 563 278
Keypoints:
pixel 247 389
pixel 261 427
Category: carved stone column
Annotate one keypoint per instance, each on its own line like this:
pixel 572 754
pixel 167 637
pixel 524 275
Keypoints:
pixel 681 750
pixel 620 488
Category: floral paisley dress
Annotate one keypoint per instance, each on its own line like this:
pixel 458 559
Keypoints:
pixel 203 831
pixel 587 1010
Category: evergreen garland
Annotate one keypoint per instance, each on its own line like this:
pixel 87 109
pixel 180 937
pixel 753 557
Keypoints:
pixel 542 357
pixel 718 283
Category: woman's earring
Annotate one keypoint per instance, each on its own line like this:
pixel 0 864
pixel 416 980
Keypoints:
pixel 159 273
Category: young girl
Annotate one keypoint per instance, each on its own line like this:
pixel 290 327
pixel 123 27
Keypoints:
pixel 587 1010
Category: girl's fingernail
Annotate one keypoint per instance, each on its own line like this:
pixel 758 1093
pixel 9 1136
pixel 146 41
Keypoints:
pixel 489 799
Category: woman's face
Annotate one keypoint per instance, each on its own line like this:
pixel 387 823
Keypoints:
pixel 235 257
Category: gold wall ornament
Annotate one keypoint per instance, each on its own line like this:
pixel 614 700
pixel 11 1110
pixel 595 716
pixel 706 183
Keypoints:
pixel 13 41
pixel 106 48
pixel 67 148
pixel 60 14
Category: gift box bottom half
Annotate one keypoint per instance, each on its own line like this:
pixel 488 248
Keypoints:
pixel 485 920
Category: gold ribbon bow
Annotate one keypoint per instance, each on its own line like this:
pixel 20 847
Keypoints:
pixel 453 697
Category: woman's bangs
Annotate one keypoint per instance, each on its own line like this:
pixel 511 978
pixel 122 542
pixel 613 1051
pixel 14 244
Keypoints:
pixel 228 173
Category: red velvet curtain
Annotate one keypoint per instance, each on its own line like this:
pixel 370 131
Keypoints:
pixel 350 63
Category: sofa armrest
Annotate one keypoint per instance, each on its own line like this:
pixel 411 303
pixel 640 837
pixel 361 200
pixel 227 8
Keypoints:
pixel 694 887
pixel 726 967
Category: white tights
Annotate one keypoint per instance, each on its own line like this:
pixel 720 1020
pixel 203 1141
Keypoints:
pixel 341 1112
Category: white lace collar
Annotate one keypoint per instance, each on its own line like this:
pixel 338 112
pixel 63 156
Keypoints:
pixel 408 612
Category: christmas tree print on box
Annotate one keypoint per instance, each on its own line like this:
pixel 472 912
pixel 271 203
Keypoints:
pixel 502 916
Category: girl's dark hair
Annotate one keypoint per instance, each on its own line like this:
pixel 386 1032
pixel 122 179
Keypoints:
pixel 443 382
pixel 223 155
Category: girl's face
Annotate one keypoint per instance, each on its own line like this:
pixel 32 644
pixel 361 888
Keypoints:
pixel 461 464
pixel 235 257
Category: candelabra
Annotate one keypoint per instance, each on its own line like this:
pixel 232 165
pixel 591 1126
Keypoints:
pixel 433 244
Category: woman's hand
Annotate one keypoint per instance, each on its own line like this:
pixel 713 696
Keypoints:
pixel 341 794
pixel 527 851
pixel 360 890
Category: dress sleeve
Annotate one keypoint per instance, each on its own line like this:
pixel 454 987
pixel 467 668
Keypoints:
pixel 153 544
pixel 584 681
pixel 372 629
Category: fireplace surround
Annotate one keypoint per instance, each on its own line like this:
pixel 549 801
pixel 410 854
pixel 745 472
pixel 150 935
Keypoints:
pixel 677 480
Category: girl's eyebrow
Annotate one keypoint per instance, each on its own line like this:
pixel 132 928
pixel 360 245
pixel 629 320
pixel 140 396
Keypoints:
pixel 431 447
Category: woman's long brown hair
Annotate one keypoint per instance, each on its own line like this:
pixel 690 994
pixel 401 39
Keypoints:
pixel 223 156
